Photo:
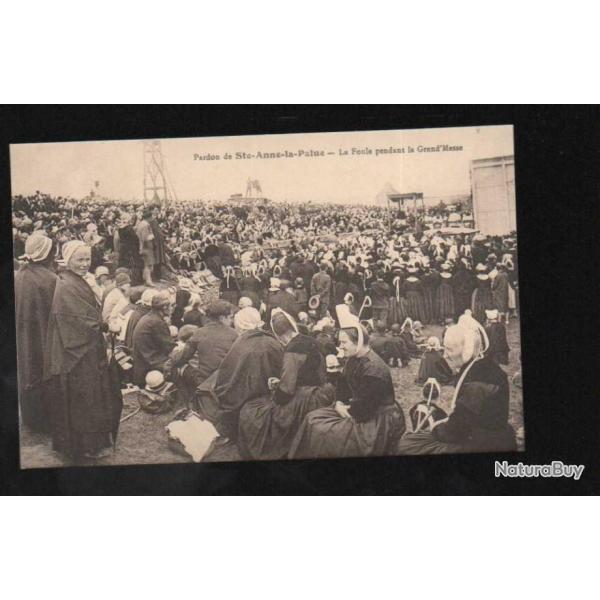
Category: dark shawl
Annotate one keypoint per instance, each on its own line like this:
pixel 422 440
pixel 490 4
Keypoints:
pixel 254 357
pixel 86 400
pixel 303 365
pixel 367 385
pixel 479 421
pixel 34 291
pixel 243 375
pixel 75 325
pixel 138 312
pixel 433 364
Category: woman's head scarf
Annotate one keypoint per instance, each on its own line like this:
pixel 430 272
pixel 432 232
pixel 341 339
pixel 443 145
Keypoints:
pixel 279 311
pixel 349 321
pixel 247 319
pixel 69 248
pixel 37 247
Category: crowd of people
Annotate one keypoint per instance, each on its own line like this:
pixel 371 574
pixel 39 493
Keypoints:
pixel 315 304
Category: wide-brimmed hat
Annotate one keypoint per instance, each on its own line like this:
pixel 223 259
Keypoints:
pixel 314 302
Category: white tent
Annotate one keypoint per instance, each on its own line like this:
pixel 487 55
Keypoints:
pixel 381 199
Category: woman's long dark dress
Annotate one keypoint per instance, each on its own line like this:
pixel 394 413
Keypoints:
pixel 430 282
pixel 129 254
pixel 482 299
pixel 267 425
pixel 376 423
pixel 444 299
pixel 415 306
pixel 34 291
pixel 398 311
pixel 86 398
pixel 433 364
pixel 463 284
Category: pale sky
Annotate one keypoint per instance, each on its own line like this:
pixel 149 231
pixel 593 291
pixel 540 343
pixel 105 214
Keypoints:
pixel 70 168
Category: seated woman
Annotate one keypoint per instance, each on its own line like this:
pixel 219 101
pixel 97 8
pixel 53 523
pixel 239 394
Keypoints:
pixel 407 334
pixel 254 357
pixel 433 364
pixel 478 420
pixel 267 424
pixel 365 419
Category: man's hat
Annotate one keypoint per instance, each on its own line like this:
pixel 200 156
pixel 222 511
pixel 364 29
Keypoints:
pixel 101 270
pixel 160 299
pixel 492 315
pixel 147 295
pixel 332 363
pixel 314 302
pixel 155 382
pixel 122 279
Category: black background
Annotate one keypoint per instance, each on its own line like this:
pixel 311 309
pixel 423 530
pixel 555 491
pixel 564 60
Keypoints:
pixel 556 163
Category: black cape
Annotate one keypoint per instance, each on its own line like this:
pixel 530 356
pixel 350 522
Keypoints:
pixel 34 291
pixel 86 398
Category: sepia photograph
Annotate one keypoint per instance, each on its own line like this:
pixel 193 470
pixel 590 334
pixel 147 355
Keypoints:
pixel 267 297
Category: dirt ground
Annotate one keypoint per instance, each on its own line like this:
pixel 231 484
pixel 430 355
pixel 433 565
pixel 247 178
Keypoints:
pixel 143 440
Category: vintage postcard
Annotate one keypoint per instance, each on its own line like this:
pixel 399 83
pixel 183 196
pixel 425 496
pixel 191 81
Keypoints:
pixel 269 297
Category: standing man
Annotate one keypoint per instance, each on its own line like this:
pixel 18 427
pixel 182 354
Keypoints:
pixel 145 235
pixel 160 258
pixel 320 285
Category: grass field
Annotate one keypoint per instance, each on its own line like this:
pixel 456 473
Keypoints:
pixel 143 440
